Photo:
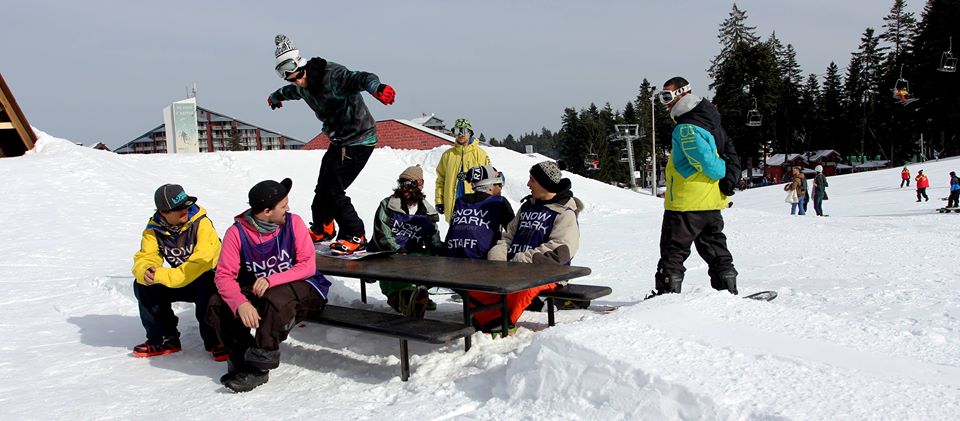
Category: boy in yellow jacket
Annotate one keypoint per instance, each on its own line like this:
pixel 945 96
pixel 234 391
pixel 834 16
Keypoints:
pixel 179 233
pixel 465 154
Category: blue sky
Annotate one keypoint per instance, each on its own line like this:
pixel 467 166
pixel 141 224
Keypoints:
pixel 103 71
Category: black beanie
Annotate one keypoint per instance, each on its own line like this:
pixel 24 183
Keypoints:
pixel 548 175
pixel 266 194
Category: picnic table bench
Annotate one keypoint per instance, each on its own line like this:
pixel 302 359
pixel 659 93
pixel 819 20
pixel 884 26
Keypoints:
pixel 489 276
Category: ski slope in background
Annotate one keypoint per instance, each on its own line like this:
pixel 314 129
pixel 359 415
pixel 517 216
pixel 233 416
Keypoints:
pixel 865 326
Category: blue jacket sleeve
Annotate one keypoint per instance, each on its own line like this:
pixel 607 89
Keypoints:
pixel 699 150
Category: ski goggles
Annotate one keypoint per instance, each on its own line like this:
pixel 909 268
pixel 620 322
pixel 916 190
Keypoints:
pixel 461 131
pixel 286 67
pixel 667 97
pixel 295 76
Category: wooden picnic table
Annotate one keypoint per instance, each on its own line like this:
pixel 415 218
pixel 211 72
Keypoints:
pixel 455 273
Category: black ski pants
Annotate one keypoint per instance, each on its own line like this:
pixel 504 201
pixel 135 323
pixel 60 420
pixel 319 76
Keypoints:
pixel 339 168
pixel 156 311
pixel 922 192
pixel 953 201
pixel 280 309
pixel 704 229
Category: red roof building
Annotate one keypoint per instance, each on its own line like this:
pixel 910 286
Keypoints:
pixel 397 134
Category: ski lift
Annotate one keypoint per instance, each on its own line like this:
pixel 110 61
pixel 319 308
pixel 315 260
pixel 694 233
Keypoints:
pixel 592 162
pixel 624 156
pixel 948 63
pixel 901 90
pixel 754 118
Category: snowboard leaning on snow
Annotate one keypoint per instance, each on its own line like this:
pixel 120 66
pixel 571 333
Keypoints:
pixel 759 296
pixel 947 210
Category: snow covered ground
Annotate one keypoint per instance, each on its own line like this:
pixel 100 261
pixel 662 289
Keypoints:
pixel 866 325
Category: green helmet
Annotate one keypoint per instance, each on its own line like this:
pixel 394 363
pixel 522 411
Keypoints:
pixel 462 123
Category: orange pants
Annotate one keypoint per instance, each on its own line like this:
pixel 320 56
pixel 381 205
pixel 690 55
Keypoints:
pixel 516 304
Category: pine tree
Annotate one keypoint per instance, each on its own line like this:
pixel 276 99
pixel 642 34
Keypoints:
pixel 831 106
pixel 733 31
pixel 899 27
pixel 811 124
pixel 233 140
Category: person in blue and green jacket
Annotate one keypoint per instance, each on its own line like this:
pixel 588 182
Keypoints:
pixel 333 93
pixel 701 173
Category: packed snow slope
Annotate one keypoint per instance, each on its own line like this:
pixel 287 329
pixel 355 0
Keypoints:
pixel 865 326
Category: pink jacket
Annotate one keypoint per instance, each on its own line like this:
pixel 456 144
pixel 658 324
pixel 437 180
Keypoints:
pixel 228 267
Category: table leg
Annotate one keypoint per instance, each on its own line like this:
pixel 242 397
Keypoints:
pixel 404 361
pixel 363 291
pixel 504 316
pixel 467 319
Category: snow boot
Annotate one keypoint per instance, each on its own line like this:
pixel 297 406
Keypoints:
pixel 147 349
pixel 247 380
pixel 219 353
pixel 323 233
pixel 233 368
pixel 725 281
pixel 665 285
pixel 346 246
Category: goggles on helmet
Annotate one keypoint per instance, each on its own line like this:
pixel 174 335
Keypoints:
pixel 667 97
pixel 286 67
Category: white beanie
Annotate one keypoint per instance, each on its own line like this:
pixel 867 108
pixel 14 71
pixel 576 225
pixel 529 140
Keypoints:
pixel 819 168
pixel 287 51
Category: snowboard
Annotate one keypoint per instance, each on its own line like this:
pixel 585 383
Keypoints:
pixel 947 210
pixel 324 249
pixel 762 296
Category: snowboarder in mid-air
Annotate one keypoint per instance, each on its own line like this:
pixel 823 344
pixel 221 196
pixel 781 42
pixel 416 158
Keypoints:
pixel 333 93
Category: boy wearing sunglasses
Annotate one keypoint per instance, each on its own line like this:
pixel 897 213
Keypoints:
pixel 701 172
pixel 463 155
pixel 333 93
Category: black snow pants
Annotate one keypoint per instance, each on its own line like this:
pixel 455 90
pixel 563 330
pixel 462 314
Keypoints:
pixel 280 309
pixel 339 168
pixel 704 229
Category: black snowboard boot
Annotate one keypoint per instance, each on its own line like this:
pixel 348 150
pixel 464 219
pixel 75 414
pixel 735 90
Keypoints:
pixel 725 281
pixel 247 380
pixel 665 285
pixel 232 369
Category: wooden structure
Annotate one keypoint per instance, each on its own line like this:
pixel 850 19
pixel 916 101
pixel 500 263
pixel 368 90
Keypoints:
pixel 16 136
pixel 448 272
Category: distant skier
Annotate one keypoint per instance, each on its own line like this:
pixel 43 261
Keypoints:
pixel 904 177
pixel 819 190
pixel 701 171
pixel 798 184
pixel 333 93
pixel 454 162
pixel 922 183
pixel 954 200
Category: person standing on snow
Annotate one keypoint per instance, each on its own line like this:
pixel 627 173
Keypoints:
pixel 701 170
pixel 922 183
pixel 904 177
pixel 799 184
pixel 333 93
pixel 267 280
pixel 465 154
pixel 954 200
pixel 544 231
pixel 819 190
pixel 406 223
pixel 179 233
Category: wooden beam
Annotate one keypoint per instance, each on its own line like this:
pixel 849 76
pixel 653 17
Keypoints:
pixel 6 125
pixel 18 120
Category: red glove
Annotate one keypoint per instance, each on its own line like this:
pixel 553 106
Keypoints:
pixel 385 94
pixel 274 105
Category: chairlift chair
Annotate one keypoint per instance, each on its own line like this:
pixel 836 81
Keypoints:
pixel 592 162
pixel 901 90
pixel 948 63
pixel 624 156
pixel 754 119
